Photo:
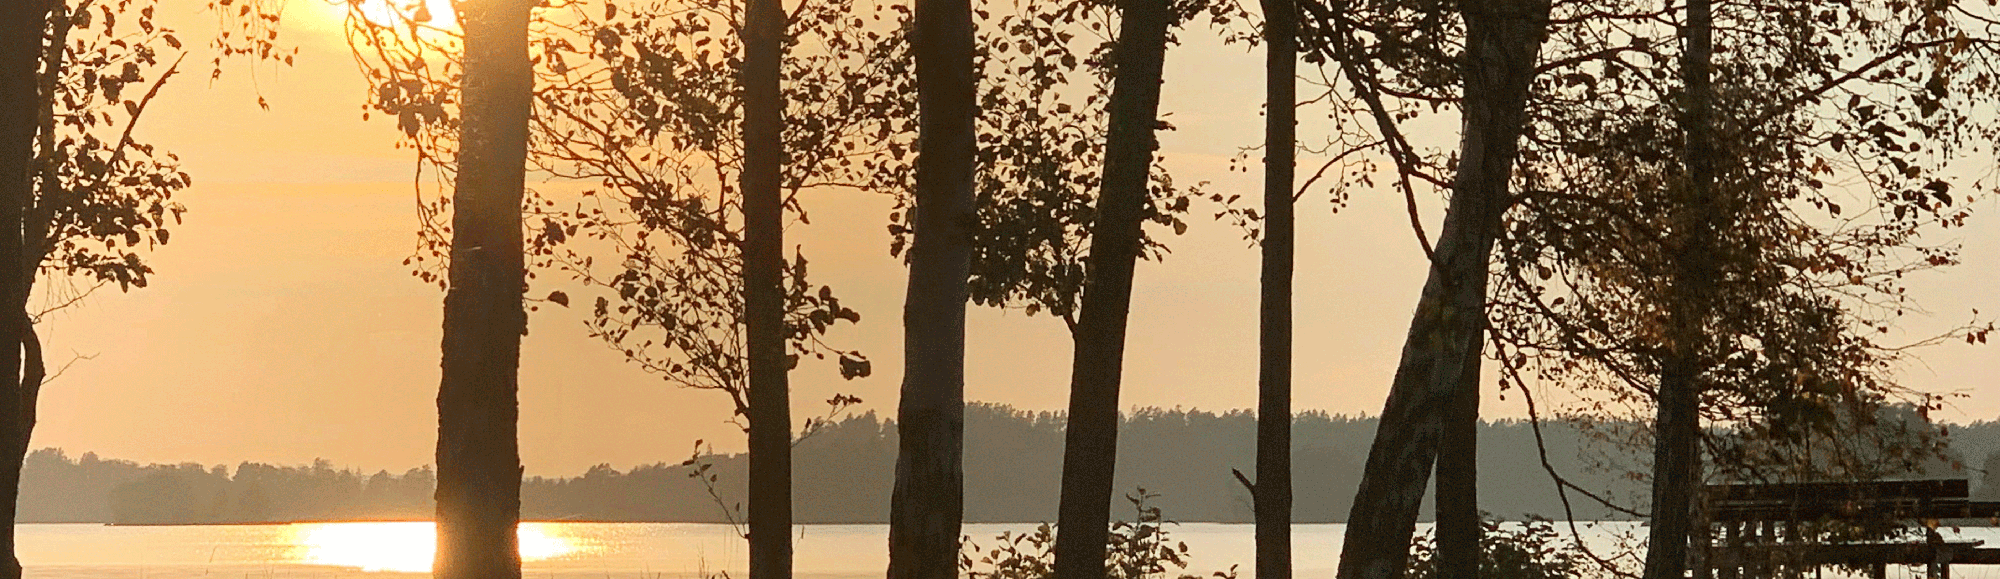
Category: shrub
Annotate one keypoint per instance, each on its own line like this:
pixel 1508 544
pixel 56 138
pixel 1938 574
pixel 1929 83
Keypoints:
pixel 1137 549
pixel 1534 550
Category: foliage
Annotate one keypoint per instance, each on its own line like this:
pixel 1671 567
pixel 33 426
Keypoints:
pixel 1137 549
pixel 639 101
pixel 1045 80
pixel 1806 290
pixel 246 29
pixel 102 197
pixel 652 122
pixel 1837 123
pixel 1530 550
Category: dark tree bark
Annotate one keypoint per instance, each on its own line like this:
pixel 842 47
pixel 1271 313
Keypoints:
pixel 48 199
pixel 21 25
pixel 1503 38
pixel 928 505
pixel 770 412
pixel 1677 426
pixel 1090 443
pixel 478 454
pixel 1458 525
pixel 1272 495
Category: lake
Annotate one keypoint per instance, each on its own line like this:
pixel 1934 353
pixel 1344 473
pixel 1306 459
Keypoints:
pixel 589 550
pixel 549 550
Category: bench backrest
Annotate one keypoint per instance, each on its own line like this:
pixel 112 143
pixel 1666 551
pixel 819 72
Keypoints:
pixel 1841 500
pixel 1840 491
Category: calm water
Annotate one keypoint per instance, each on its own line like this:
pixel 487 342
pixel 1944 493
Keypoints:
pixel 587 550
pixel 549 550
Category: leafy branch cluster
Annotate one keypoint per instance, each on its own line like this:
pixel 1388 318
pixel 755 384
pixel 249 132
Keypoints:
pixel 1046 74
pixel 1533 549
pixel 1804 291
pixel 1137 549
pixel 103 198
pixel 1837 120
pixel 638 102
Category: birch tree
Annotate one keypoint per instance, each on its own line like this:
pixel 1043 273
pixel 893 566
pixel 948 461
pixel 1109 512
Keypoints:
pixel 927 507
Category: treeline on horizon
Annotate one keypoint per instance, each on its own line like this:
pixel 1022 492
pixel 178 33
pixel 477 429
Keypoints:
pixel 843 474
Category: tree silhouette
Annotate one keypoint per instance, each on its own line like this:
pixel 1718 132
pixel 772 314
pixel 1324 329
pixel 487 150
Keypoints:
pixel 478 452
pixel 1502 42
pixel 927 508
pixel 1040 147
pixel 20 51
pixel 1091 441
pixel 643 117
pixel 1272 493
pixel 1753 304
pixel 1677 429
pixel 643 101
pixel 770 411
pixel 97 200
pixel 1597 171
pixel 1459 528
pixel 654 128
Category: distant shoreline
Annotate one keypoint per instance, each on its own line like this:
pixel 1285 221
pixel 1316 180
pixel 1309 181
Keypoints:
pixel 1174 460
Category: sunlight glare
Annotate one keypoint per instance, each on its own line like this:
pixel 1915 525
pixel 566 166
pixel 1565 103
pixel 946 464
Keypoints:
pixel 537 544
pixel 408 547
pixel 399 13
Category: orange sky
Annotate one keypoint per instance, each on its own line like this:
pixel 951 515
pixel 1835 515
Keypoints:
pixel 282 327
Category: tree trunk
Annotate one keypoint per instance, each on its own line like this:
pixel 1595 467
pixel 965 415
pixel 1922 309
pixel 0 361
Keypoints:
pixel 1458 525
pixel 928 506
pixel 1677 427
pixel 770 412
pixel 478 454
pixel 49 197
pixel 1272 495
pixel 1503 38
pixel 21 25
pixel 1090 442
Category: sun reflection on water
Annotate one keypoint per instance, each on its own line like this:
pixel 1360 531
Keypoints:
pixel 409 547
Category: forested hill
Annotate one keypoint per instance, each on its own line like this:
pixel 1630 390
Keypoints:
pixel 844 473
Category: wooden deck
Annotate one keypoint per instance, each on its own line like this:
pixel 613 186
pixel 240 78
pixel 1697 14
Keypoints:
pixel 1764 530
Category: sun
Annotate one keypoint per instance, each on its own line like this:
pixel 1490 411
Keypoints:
pixel 401 13
pixel 408 547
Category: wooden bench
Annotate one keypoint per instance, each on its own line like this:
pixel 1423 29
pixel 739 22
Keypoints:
pixel 1768 530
